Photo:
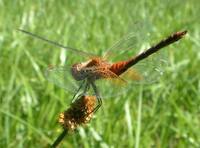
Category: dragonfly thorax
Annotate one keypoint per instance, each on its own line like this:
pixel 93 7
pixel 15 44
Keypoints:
pixel 89 69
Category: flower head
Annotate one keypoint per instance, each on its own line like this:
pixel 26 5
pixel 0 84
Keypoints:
pixel 80 112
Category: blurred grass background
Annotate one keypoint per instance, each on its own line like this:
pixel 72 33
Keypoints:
pixel 165 114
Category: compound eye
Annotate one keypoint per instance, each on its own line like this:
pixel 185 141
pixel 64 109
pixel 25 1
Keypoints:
pixel 82 72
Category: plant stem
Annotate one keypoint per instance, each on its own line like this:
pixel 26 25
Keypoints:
pixel 59 139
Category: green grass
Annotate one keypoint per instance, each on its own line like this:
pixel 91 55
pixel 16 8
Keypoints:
pixel 164 114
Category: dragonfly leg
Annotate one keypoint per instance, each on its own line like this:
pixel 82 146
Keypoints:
pixel 74 97
pixel 98 97
pixel 86 88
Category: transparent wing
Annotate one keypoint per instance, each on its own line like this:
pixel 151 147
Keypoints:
pixel 62 77
pixel 126 43
pixel 145 72
pixel 83 53
pixel 130 43
pixel 110 87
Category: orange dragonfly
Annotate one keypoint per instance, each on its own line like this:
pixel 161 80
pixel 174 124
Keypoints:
pixel 97 72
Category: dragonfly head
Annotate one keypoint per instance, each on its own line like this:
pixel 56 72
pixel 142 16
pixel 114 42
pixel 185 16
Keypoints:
pixel 77 71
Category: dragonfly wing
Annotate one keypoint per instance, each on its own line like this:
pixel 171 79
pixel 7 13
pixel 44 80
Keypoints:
pixel 62 77
pixel 130 43
pixel 77 51
pixel 122 48
pixel 109 82
pixel 110 87
pixel 145 72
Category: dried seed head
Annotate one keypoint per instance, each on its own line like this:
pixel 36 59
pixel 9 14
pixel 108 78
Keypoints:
pixel 80 112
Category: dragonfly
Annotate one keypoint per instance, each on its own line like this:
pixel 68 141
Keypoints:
pixel 98 71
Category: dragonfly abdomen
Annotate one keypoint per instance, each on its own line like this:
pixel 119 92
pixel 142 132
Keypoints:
pixel 119 67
